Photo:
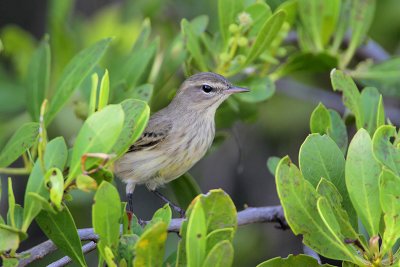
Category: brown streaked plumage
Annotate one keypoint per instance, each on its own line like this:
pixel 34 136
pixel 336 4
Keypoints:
pixel 177 136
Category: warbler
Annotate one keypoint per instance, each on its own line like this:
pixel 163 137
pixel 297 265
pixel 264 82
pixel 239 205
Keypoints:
pixel 178 135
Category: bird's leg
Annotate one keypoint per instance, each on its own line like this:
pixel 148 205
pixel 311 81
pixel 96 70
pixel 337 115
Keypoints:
pixel 129 206
pixel 171 204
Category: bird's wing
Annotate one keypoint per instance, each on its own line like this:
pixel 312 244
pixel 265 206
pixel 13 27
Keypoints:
pixel 154 134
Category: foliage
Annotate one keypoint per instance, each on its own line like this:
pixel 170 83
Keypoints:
pixel 343 199
pixel 323 199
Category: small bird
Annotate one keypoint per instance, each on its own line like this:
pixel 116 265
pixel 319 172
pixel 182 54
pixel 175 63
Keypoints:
pixel 177 136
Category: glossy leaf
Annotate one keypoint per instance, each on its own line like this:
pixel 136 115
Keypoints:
pixel 319 157
pixel 55 179
pixel 86 183
pixel 196 236
pixel 292 260
pixel 163 214
pixel 104 91
pixel 136 116
pixel 61 229
pixel 11 204
pixel 216 236
pixel 299 201
pixel 370 98
pixel 328 190
pixel 351 95
pixel 74 74
pixel 150 247
pixel 106 214
pixel 389 190
pixel 23 139
pixel 320 120
pixel 8 240
pixel 38 79
pixel 338 131
pixel 55 157
pixel 362 181
pixel 384 151
pixel 266 35
pixel 99 133
pixel 221 255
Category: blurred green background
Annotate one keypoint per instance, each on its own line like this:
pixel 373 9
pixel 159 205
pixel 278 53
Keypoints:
pixel 238 165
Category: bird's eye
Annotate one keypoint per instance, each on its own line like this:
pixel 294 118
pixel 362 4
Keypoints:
pixel 206 88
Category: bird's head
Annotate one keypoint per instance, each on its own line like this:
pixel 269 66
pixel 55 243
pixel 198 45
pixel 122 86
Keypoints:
pixel 206 90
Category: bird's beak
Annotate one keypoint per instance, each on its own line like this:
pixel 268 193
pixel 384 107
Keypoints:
pixel 235 90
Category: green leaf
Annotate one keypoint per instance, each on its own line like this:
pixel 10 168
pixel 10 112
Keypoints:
pixel 55 156
pixel 11 204
pixel 23 139
pixel 104 91
pixel 319 157
pixel 338 131
pixel 193 45
pixel 261 90
pixel 384 75
pixel 8 240
pixel 196 236
pixel 136 116
pixel 38 76
pixel 220 213
pixel 106 214
pixel 389 189
pixel 161 215
pixel 259 13
pixel 362 14
pixel 272 164
pixel 55 179
pixel 150 247
pixel 126 248
pixel 370 99
pixel 10 262
pixel 216 236
pixel 266 35
pixel 99 133
pixel 73 75
pixel 299 202
pixel 292 260
pixel 328 190
pixel 221 255
pixel 61 229
pixel 143 92
pixel 320 120
pixel 351 95
pixel 185 189
pixel 136 64
pixel 362 181
pixel 86 183
pixel 43 203
pixel 384 151
pixel 227 12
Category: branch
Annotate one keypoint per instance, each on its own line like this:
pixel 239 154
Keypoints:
pixel 272 214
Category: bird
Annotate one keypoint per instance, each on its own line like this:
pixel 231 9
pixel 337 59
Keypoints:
pixel 177 136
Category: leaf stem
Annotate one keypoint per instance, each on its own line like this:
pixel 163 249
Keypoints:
pixel 15 171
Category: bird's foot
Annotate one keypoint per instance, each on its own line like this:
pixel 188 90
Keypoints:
pixel 182 212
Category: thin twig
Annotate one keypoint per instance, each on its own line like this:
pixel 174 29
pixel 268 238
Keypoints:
pixel 247 216
pixel 65 260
